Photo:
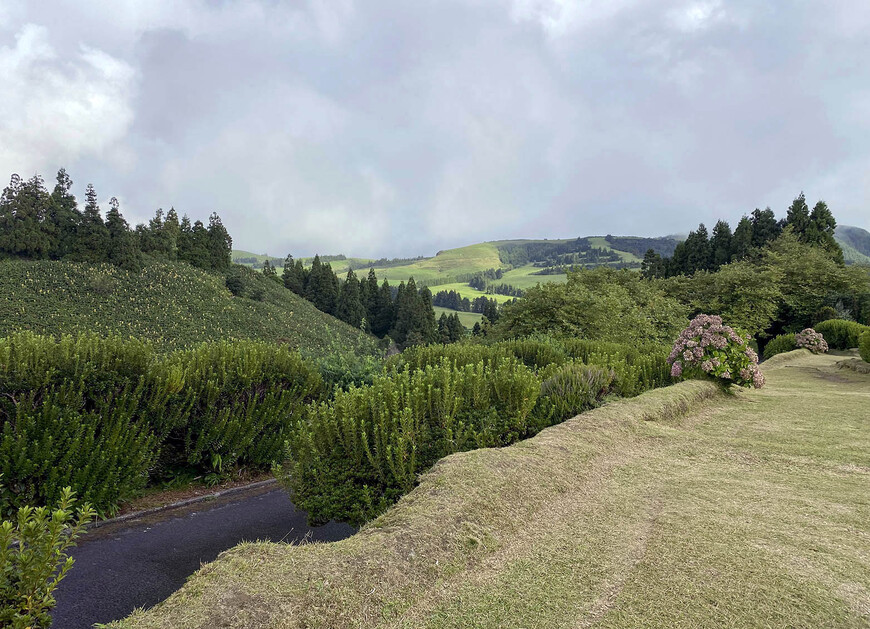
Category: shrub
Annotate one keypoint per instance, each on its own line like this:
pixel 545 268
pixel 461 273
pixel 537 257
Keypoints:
pixel 779 344
pixel 239 398
pixel 841 334
pixel 62 401
pixel 864 346
pixel 350 458
pixel 568 390
pixel 33 559
pixel 235 285
pixel 811 340
pixel 708 348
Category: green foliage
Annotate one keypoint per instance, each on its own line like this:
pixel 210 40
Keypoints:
pixel 33 559
pixel 570 389
pixel 864 346
pixel 780 344
pixel 170 304
pixel 841 334
pixel 356 455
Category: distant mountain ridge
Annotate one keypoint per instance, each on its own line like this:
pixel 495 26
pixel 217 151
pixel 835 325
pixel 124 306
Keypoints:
pixel 855 243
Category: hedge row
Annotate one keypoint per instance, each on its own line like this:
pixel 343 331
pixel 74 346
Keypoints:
pixel 779 344
pixel 352 457
pixel 864 346
pixel 841 334
pixel 103 415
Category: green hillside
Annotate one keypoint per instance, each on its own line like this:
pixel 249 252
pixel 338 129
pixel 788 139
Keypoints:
pixel 855 243
pixel 171 304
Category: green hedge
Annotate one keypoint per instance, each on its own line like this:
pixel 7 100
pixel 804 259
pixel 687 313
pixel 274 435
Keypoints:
pixel 354 456
pixel 105 415
pixel 864 346
pixel 779 344
pixel 841 334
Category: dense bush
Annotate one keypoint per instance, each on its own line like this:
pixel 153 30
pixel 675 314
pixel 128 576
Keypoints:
pixel 354 456
pixel 62 402
pixel 33 559
pixel 708 348
pixel 238 398
pixel 779 344
pixel 811 340
pixel 841 334
pixel 570 389
pixel 864 346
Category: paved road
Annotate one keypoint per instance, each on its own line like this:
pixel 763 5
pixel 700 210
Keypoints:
pixel 121 567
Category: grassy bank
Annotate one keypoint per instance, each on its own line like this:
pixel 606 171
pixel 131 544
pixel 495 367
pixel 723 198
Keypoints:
pixel 680 508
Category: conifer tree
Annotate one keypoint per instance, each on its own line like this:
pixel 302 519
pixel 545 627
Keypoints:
pixel 383 313
pixel 350 308
pixel 220 245
pixel 185 239
pixel 122 249
pixel 292 278
pixel 321 289
pixel 455 327
pixel 820 231
pixel 764 227
pixel 798 217
pixel 652 265
pixel 172 230
pixel 64 215
pixel 268 269
pixel 26 207
pixel 741 242
pixel 698 250
pixel 720 245
pixel 443 329
pixel 429 327
pixel 92 243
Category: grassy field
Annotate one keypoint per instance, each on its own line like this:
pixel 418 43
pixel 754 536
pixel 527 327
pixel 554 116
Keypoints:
pixel 468 319
pixel 683 507
pixel 174 305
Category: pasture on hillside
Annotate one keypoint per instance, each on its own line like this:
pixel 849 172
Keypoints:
pixel 683 507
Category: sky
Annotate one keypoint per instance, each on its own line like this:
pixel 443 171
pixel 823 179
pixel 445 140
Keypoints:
pixel 399 128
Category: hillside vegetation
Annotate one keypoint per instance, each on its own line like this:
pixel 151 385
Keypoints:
pixel 172 304
pixel 680 508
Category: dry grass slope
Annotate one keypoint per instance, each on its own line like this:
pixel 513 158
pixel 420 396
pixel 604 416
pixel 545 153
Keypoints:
pixel 683 507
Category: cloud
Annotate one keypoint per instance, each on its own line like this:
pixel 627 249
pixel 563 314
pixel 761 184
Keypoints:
pixel 60 109
pixel 396 128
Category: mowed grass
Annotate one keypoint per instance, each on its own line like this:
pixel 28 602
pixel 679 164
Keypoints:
pixel 468 319
pixel 683 507
pixel 445 264
pixel 599 242
pixel 173 305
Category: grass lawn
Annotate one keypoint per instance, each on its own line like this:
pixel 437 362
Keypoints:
pixel 683 507
pixel 600 243
pixel 468 319
pixel 466 291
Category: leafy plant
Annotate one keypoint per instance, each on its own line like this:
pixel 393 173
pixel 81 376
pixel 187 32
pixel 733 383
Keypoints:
pixel 864 346
pixel 841 334
pixel 779 344
pixel 708 348
pixel 34 560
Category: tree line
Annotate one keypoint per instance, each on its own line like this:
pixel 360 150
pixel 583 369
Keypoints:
pixel 40 225
pixel 405 314
pixel 702 251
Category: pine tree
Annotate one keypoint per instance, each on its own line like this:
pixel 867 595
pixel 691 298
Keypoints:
pixel 764 227
pixel 720 245
pixel 64 215
pixel 455 327
pixel 443 329
pixel 798 217
pixel 291 276
pixel 741 241
pixel 321 289
pixel 200 251
pixel 820 231
pixel 185 239
pixel 220 245
pixel 383 313
pixel 698 250
pixel 122 249
pixel 652 265
pixel 370 296
pixel 26 207
pixel 92 243
pixel 490 310
pixel 350 308
pixel 268 269
pixel 172 229
pixel 428 325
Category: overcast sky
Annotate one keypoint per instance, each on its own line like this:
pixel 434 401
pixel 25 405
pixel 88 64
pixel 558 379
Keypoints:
pixel 400 127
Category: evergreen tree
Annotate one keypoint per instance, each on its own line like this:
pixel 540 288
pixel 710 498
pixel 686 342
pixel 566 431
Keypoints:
pixel 200 252
pixel 172 230
pixel 490 310
pixel 698 250
pixel 321 289
pixel 383 313
pixel 370 296
pixel 122 249
pixel 92 243
pixel 741 242
pixel 798 217
pixel 64 215
pixel 268 269
pixel 25 208
pixel 764 227
pixel 652 265
pixel 476 330
pixel 414 324
pixel 678 264
pixel 220 245
pixel 292 277
pixel 720 245
pixel 455 328
pixel 429 329
pixel 350 308
pixel 185 239
pixel 820 231
pixel 443 329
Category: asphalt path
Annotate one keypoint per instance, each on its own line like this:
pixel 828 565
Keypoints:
pixel 139 563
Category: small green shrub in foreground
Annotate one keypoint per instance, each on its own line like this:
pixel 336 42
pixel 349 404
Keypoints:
pixel 841 334
pixel 33 559
pixel 864 346
pixel 779 344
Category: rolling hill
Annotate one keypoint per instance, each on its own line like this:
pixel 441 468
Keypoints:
pixel 173 305
pixel 855 243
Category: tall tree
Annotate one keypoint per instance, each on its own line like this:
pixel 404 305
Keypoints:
pixel 652 266
pixel 349 308
pixel 172 229
pixel 798 217
pixel 122 249
pixel 764 227
pixel 25 208
pixel 268 269
pixel 322 286
pixel 64 215
pixel 220 245
pixel 383 312
pixel 455 327
pixel 741 242
pixel 92 243
pixel 291 276
pixel 720 244
pixel 698 250
pixel 820 231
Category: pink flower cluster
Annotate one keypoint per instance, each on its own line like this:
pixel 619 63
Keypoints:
pixel 811 340
pixel 710 348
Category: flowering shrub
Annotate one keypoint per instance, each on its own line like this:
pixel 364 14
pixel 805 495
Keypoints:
pixel 811 340
pixel 709 348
